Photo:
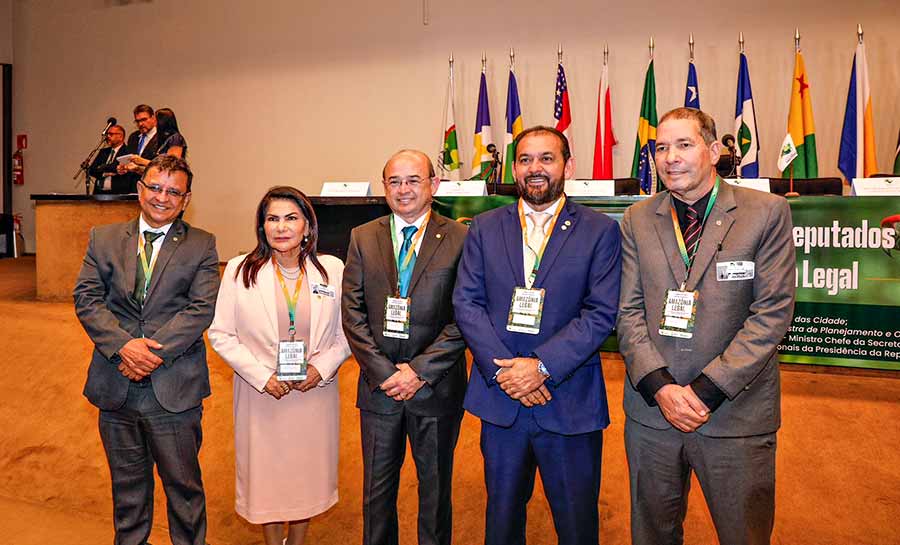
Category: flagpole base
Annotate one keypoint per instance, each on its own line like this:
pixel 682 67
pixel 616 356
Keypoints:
pixel 791 195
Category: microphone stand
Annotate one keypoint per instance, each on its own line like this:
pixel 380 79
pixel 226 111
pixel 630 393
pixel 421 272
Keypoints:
pixel 86 164
pixel 495 170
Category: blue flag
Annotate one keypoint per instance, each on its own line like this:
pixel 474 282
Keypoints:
pixel 745 124
pixel 692 89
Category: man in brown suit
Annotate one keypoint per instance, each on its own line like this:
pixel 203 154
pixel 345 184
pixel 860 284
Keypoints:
pixel 707 294
pixel 398 318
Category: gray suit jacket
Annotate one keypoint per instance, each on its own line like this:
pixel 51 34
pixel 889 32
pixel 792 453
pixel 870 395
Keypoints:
pixel 738 323
pixel 178 307
pixel 435 348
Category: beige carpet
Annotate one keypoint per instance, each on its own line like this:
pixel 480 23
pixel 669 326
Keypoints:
pixel 838 453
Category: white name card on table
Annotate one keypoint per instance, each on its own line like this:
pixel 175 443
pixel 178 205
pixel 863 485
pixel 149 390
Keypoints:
pixel 346 189
pixel 759 184
pixel 462 188
pixel 590 188
pixel 875 187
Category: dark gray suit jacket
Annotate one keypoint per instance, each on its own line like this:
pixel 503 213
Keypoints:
pixel 178 307
pixel 435 349
pixel 739 324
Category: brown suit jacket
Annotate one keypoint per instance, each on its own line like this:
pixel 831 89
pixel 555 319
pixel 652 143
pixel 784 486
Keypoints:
pixel 435 349
pixel 739 324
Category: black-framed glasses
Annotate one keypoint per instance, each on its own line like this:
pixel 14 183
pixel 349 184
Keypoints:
pixel 157 190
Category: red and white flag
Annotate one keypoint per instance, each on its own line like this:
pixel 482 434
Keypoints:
pixel 605 140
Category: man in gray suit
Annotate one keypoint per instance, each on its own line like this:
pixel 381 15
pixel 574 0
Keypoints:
pixel 398 318
pixel 707 295
pixel 146 292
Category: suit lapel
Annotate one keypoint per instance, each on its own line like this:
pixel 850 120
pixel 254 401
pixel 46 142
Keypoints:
pixel 265 284
pixel 667 241
pixel 512 236
pixel 558 238
pixel 386 249
pixel 715 228
pixel 431 240
pixel 173 239
pixel 316 323
pixel 129 257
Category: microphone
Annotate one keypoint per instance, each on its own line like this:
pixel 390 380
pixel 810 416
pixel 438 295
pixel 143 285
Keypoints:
pixel 491 148
pixel 109 123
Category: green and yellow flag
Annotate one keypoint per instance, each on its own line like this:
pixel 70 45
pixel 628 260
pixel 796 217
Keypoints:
pixel 800 124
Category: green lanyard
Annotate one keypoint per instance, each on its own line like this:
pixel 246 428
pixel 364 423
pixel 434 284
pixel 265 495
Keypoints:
pixel 147 266
pixel 291 300
pixel 682 247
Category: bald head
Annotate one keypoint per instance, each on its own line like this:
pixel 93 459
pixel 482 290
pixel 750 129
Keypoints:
pixel 409 183
pixel 412 154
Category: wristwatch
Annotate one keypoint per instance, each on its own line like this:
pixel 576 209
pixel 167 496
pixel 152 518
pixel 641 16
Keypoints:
pixel 542 369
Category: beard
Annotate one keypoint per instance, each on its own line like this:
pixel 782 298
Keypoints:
pixel 543 195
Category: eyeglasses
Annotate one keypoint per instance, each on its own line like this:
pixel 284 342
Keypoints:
pixel 157 190
pixel 412 183
pixel 139 120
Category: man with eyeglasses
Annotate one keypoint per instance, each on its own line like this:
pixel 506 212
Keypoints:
pixel 104 167
pixel 399 322
pixel 143 141
pixel 145 294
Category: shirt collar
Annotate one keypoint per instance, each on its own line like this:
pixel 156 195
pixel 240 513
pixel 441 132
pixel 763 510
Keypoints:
pixel 400 223
pixel 150 134
pixel 550 210
pixel 144 226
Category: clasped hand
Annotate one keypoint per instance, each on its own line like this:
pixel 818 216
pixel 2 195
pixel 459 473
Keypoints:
pixel 681 407
pixel 137 359
pixel 403 384
pixel 280 388
pixel 521 380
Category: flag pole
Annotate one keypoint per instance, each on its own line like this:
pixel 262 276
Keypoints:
pixel 691 46
pixel 741 42
pixel 605 54
pixel 859 33
pixel 651 48
pixel 792 194
pixel 559 53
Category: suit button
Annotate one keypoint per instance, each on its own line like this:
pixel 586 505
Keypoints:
pixel 746 387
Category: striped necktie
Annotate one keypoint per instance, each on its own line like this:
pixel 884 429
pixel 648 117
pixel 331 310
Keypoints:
pixel 692 233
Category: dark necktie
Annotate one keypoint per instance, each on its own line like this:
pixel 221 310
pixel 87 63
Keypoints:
pixel 692 233
pixel 140 280
pixel 405 274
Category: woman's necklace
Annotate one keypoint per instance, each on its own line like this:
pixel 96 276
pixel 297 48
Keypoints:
pixel 289 274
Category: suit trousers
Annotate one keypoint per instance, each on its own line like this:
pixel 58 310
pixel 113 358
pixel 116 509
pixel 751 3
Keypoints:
pixel 135 437
pixel 736 474
pixel 432 440
pixel 570 472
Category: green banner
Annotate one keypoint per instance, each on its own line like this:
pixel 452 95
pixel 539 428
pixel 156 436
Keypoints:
pixel 847 275
pixel 848 283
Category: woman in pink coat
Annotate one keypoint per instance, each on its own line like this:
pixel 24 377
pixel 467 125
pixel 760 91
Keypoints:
pixel 285 432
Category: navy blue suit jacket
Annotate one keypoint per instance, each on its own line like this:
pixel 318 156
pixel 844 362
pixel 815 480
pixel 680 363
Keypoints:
pixel 580 272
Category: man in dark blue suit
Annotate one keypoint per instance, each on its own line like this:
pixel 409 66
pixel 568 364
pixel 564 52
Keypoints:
pixel 536 295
